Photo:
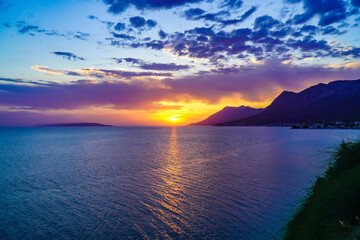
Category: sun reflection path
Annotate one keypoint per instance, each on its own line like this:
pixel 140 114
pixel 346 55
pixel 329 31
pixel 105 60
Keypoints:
pixel 171 208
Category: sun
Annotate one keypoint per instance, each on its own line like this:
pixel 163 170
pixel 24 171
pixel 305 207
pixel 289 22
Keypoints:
pixel 174 119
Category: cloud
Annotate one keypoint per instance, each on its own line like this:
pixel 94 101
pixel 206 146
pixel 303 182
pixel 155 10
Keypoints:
pixel 129 60
pixel 257 82
pixel 151 23
pixel 68 56
pixel 120 27
pixel 140 22
pixel 164 67
pixel 162 34
pixel 22 81
pixel 265 22
pixel 122 95
pixel 193 12
pixel 333 31
pixel 329 11
pixel 218 17
pixel 137 22
pixel 32 30
pixel 119 6
pixel 101 73
pixel 309 29
pixel 269 37
pixel 28 28
pixel 81 35
pixel 253 83
pixel 152 66
pixel 232 4
pixel 123 36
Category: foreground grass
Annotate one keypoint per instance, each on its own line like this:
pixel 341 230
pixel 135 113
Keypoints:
pixel 334 197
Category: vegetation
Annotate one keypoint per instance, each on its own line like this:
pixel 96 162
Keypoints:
pixel 332 207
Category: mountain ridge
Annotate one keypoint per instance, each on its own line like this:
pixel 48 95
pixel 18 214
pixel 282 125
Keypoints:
pixel 335 101
pixel 228 114
pixel 80 124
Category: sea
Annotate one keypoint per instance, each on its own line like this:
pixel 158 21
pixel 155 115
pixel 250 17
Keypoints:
pixel 157 182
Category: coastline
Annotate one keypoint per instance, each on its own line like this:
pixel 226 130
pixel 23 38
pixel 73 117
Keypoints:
pixel 331 210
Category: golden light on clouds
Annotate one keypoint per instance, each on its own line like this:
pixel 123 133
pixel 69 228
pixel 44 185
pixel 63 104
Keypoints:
pixel 195 111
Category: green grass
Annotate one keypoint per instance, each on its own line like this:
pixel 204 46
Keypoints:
pixel 334 196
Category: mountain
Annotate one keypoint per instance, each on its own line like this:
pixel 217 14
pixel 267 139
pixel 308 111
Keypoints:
pixel 82 124
pixel 229 114
pixel 335 101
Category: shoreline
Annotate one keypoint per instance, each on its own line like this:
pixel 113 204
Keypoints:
pixel 331 210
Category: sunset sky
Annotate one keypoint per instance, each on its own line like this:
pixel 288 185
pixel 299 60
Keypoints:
pixel 162 62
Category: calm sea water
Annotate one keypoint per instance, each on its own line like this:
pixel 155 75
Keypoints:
pixel 156 182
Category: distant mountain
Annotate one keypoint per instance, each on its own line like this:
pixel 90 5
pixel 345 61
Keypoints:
pixel 83 124
pixel 229 114
pixel 335 101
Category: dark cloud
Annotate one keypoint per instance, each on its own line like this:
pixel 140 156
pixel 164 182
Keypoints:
pixel 119 6
pixel 309 29
pixel 22 81
pixel 248 13
pixel 332 30
pixel 218 17
pixel 329 11
pixel 193 12
pixel 309 44
pixel 257 82
pixel 108 24
pixel 202 31
pixel 332 18
pixel 32 30
pixel 354 52
pixel 123 36
pixel 130 95
pixel 127 74
pixel 137 22
pixel 162 34
pixel 163 67
pixel 102 73
pixel 250 83
pixel 152 66
pixel 140 22
pixel 129 60
pixel 265 22
pixel 233 4
pixel 215 17
pixel 120 27
pixel 155 44
pixel 151 23
pixel 28 28
pixel 269 37
pixel 68 56
pixel 242 18
pixel 81 35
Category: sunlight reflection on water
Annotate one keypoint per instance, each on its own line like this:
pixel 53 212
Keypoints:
pixel 155 183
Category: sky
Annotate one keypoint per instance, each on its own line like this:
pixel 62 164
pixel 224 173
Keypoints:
pixel 163 62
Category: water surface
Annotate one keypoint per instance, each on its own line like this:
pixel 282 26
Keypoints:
pixel 156 182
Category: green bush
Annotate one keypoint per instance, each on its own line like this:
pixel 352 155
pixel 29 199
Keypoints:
pixel 334 198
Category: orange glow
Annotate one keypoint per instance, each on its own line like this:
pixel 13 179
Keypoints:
pixel 167 114
pixel 174 119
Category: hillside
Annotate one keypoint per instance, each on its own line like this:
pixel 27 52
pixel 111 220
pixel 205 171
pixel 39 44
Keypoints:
pixel 332 210
pixel 82 124
pixel 229 114
pixel 335 101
